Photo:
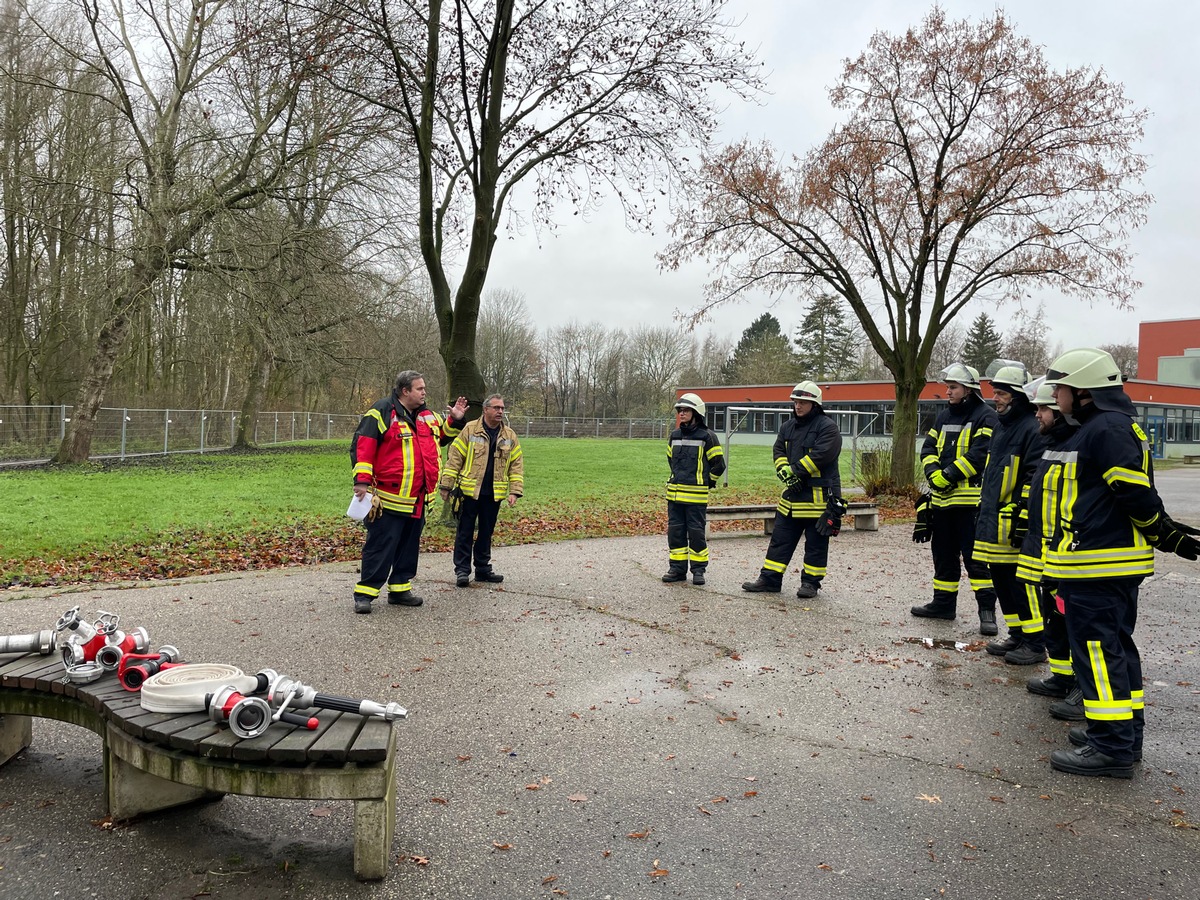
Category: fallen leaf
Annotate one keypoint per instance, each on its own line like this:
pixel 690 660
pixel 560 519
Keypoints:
pixel 321 812
pixel 550 879
pixel 632 700
pixel 929 798
pixel 463 759
pixel 500 846
pixel 420 860
pixel 441 800
pixel 750 794
pixel 707 812
pixel 577 798
pixel 638 834
pixel 658 873
pixel 720 799
pixel 533 787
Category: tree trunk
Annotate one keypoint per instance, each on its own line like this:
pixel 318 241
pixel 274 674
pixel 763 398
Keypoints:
pixel 256 388
pixel 904 431
pixel 76 445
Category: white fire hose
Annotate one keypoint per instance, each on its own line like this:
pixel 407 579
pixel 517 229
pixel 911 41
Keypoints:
pixel 183 688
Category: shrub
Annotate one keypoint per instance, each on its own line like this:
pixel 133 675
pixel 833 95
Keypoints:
pixel 875 476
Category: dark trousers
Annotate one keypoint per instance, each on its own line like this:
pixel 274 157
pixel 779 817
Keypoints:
pixel 952 538
pixel 479 512
pixel 390 554
pixel 685 536
pixel 785 537
pixel 1058 644
pixel 1020 602
pixel 1101 616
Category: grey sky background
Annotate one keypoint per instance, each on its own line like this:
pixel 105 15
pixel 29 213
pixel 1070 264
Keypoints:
pixel 594 269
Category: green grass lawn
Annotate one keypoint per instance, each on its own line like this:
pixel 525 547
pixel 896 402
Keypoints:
pixel 179 515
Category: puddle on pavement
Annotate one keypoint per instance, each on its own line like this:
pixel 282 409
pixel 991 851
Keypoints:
pixel 944 643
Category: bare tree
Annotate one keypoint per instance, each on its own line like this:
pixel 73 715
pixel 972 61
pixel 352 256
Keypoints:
pixel 1125 356
pixel 1028 341
pixel 178 78
pixel 657 356
pixel 967 168
pixel 947 349
pixel 570 99
pixel 507 345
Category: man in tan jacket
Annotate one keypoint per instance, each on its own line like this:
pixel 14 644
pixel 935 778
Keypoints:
pixel 485 464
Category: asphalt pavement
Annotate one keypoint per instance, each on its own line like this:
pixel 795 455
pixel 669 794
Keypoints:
pixel 585 731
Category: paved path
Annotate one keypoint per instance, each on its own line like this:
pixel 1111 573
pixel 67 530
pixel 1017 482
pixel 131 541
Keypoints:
pixel 588 732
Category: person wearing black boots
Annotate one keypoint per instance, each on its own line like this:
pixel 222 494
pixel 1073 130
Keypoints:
pixel 1060 683
pixel 953 456
pixel 1014 453
pixel 806 454
pixel 696 460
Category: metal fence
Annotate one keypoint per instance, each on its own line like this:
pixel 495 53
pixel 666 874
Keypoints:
pixel 33 433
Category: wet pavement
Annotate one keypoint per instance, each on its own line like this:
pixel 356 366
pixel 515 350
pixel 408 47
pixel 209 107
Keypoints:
pixel 585 731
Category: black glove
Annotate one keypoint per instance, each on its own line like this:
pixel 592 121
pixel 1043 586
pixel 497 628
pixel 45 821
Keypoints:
pixel 921 533
pixel 1018 517
pixel 1165 535
pixel 1179 526
pixel 829 523
pixel 456 502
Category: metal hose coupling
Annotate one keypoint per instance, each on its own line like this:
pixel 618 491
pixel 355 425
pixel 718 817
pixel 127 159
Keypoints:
pixel 42 642
pixel 249 717
pixel 135 668
pixel 118 644
pixel 285 692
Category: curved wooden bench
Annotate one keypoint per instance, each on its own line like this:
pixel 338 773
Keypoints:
pixel 865 514
pixel 154 761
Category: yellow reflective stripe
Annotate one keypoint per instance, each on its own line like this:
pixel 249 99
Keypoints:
pixel 678 554
pixel 815 571
pixel 780 462
pixel 809 466
pixel 771 566
pixel 963 465
pixel 366 590
pixel 1061 666
pixel 1138 700
pixel 378 417
pixel 981 584
pixel 1128 476
pixel 715 451
pixel 364 468
pixel 1008 481
pixel 399 587
pixel 951 586
pixel 698 556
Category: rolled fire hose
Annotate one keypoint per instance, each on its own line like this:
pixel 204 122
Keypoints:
pixel 183 689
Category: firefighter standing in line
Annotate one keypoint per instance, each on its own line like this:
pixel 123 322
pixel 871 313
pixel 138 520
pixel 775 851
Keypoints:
pixel 1013 455
pixel 1060 683
pixel 1110 519
pixel 696 459
pixel 806 456
pixel 953 455
pixel 396 455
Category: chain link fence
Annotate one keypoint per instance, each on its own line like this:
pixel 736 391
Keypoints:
pixel 32 434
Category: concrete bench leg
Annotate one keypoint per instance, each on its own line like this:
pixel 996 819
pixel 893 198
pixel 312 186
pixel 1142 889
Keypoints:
pixel 130 792
pixel 374 828
pixel 16 733
pixel 866 521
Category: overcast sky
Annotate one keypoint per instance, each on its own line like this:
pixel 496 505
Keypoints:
pixel 597 270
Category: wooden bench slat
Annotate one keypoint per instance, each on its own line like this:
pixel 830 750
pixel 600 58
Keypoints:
pixel 334 743
pixel 371 743
pixel 259 749
pixel 189 738
pixel 293 748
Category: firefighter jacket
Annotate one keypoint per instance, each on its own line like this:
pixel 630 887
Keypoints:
pixel 957 445
pixel 810 445
pixel 467 463
pixel 400 454
pixel 1013 455
pixel 1043 516
pixel 696 459
pixel 1099 485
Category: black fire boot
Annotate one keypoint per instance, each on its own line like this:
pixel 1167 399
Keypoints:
pixel 987 622
pixel 1078 736
pixel 1088 760
pixel 675 575
pixel 761 586
pixel 999 648
pixel 934 609
pixel 1053 685
pixel 1031 652
pixel 697 576
pixel 1070 708
pixel 488 576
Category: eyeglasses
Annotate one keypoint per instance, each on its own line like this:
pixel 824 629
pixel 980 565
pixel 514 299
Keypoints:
pixel 501 408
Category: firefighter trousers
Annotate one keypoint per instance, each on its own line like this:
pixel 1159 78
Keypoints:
pixel 952 539
pixel 1101 616
pixel 1020 602
pixel 1058 644
pixel 390 554
pixel 785 537
pixel 686 542
pixel 482 513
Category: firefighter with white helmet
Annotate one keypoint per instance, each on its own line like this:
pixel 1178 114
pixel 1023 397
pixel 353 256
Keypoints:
pixel 806 456
pixel 696 459
pixel 1060 683
pixel 953 455
pixel 1109 520
pixel 1013 455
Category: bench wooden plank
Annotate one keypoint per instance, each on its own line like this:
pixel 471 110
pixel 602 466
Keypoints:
pixel 293 748
pixel 335 741
pixel 259 749
pixel 372 742
pixel 189 739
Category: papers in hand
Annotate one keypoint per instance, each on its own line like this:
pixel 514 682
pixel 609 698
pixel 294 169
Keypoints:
pixel 359 507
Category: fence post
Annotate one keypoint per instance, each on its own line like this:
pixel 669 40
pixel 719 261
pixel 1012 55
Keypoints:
pixel 328 427
pixel 166 429
pixel 203 417
pixel 62 423
pixel 232 423
pixel 563 433
pixel 597 428
pixel 276 438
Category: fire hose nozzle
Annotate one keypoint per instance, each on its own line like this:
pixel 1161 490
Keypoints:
pixel 42 642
